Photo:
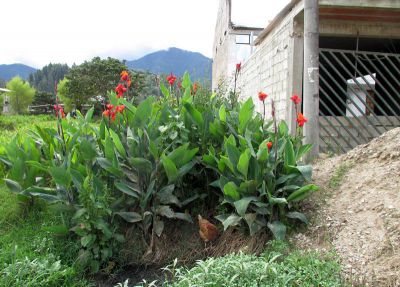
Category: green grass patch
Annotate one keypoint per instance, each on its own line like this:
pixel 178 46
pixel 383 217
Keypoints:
pixel 337 178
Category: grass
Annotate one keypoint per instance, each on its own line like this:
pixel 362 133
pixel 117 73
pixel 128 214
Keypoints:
pixel 337 178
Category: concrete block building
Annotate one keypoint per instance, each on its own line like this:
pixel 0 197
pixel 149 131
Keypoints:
pixel 359 65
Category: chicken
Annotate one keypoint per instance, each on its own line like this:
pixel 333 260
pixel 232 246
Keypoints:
pixel 208 231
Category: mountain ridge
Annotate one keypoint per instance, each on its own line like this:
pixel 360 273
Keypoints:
pixel 9 71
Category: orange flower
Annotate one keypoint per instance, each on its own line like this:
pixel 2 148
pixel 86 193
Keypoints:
pixel 262 96
pixel 269 145
pixel 106 113
pixel 301 119
pixel 120 109
pixel 124 76
pixel 171 79
pixel 129 82
pixel 295 99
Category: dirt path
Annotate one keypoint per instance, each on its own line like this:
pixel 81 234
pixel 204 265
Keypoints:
pixel 358 211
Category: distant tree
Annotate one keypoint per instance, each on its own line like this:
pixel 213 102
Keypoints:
pixel 2 83
pixel 43 80
pixel 21 95
pixel 92 79
pixel 1 103
pixel 62 93
pixel 43 98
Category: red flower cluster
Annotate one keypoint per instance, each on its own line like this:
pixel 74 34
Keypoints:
pixel 238 67
pixel 194 88
pixel 59 111
pixel 111 111
pixel 262 96
pixel 269 145
pixel 123 87
pixel 171 79
pixel 301 119
pixel 295 99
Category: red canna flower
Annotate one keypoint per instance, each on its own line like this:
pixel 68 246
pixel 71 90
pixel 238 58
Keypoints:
pixel 194 88
pixel 61 113
pixel 238 67
pixel 171 79
pixel 129 82
pixel 269 145
pixel 109 107
pixel 113 115
pixel 301 119
pixel 120 90
pixel 124 76
pixel 262 96
pixel 295 99
pixel 180 85
pixel 120 109
pixel 106 113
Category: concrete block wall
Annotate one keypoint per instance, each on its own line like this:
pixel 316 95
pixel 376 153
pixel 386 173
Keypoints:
pixel 269 69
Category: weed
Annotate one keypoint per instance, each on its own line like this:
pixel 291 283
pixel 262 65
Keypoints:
pixel 340 172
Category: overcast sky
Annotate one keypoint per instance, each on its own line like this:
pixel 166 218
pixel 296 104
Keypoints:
pixel 37 32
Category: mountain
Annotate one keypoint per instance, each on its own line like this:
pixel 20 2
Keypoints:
pixel 7 72
pixel 176 61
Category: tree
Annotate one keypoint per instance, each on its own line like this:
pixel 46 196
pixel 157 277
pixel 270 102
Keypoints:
pixel 62 93
pixel 92 79
pixel 1 103
pixel 21 95
pixel 43 80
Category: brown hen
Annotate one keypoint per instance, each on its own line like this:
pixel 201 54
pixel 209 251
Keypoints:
pixel 208 231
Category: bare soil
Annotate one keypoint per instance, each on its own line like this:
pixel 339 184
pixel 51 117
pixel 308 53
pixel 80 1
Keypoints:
pixel 358 215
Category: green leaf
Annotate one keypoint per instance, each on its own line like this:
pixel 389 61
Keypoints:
pixel 290 159
pixel 186 168
pixel 242 204
pixel 278 229
pixel 231 190
pixel 89 115
pixel 166 195
pixel 229 220
pixel 45 196
pixel 304 149
pixel 170 169
pixel 107 165
pixel 304 170
pixel 233 154
pixel 158 226
pixel 142 164
pixel 302 193
pixel 165 210
pixel 243 164
pixel 283 129
pixel 13 185
pixel 254 224
pixel 194 114
pixel 58 230
pixel 125 188
pixel 297 215
pixel 118 143
pixel 104 227
pixel 222 114
pixel 245 114
pixel 164 90
pixel 143 112
pixel 88 151
pixel 186 82
pixel 277 200
pixel 60 175
pixel 88 240
pixel 130 217
pixel 183 216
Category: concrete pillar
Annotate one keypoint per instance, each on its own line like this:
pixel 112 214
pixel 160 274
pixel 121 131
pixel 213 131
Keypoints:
pixel 311 76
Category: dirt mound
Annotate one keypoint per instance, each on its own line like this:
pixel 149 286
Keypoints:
pixel 357 212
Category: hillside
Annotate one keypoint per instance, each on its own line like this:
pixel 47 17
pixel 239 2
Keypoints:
pixel 176 61
pixel 359 210
pixel 7 72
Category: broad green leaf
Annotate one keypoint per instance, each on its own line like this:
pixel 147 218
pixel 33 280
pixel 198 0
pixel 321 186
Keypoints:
pixel 158 226
pixel 283 129
pixel 290 159
pixel 164 90
pixel 108 166
pixel 88 151
pixel 170 169
pixel 143 112
pixel 130 217
pixel 104 227
pixel 60 175
pixel 142 164
pixel 254 224
pixel 13 185
pixel 58 230
pixel 304 170
pixel 166 211
pixel 88 240
pixel 278 229
pixel 302 193
pixel 243 164
pixel 118 144
pixel 89 115
pixel 45 196
pixel 194 114
pixel 183 216
pixel 304 149
pixel 277 200
pixel 186 82
pixel 233 154
pixel 297 215
pixel 229 220
pixel 183 170
pixel 166 196
pixel 242 204
pixel 125 188
pixel 245 114
pixel 231 190
pixel 222 114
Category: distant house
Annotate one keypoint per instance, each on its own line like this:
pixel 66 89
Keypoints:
pixel 359 65
pixel 6 100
